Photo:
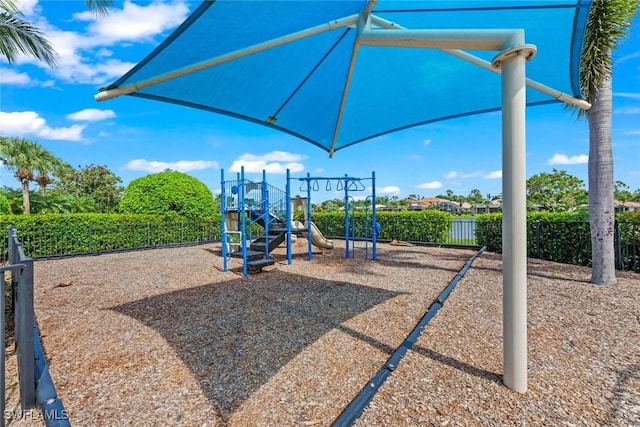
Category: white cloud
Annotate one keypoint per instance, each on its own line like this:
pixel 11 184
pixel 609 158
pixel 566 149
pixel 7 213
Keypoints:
pixel 630 95
pixel 28 7
pixel 427 141
pixel 29 123
pixel 430 185
pixel 563 159
pixel 414 157
pixel 276 162
pixel 11 77
pixel 134 22
pixel 319 170
pixel 634 173
pixel 627 57
pixel 627 110
pixel 493 175
pixel 180 166
pixel 633 132
pixel 462 175
pixel 91 115
pixel 389 189
pixel 79 51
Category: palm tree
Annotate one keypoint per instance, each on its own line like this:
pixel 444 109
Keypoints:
pixel 24 157
pixel 20 37
pixel 47 164
pixel 608 23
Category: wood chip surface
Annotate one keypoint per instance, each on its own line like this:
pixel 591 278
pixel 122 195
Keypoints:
pixel 165 337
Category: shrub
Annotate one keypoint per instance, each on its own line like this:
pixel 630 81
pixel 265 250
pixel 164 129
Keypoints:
pixel 174 195
pixel 418 226
pixel 555 236
pixel 5 205
pixel 68 234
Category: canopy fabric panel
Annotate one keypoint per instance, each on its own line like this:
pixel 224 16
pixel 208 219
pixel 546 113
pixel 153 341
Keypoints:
pixel 298 87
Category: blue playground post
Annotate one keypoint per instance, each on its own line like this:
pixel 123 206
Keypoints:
pixel 309 240
pixel 265 211
pixel 288 216
pixel 376 226
pixel 223 210
pixel 346 217
pixel 243 239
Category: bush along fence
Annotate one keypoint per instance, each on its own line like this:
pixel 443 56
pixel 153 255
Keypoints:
pixel 433 227
pixel 565 238
pixel 561 237
pixel 35 385
pixel 110 233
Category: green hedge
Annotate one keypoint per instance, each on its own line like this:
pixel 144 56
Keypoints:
pixel 629 238
pixel 419 226
pixel 563 237
pixel 71 234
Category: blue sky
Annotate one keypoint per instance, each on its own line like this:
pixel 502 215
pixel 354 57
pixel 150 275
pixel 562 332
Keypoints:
pixel 134 137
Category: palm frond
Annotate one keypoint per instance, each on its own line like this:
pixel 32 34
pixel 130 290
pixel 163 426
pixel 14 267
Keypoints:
pixel 608 23
pixel 99 7
pixel 20 37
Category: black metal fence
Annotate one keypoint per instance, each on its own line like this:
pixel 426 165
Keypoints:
pixel 567 242
pixel 35 385
pixel 48 241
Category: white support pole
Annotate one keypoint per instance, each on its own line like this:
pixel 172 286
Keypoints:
pixel 514 224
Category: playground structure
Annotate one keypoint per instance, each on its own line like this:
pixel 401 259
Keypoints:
pixel 248 206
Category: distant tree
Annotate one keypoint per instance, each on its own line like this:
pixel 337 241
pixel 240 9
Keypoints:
pixel 475 197
pixel 24 157
pixel 175 195
pixel 450 195
pixel 48 166
pixel 61 203
pixel 621 192
pixel 97 182
pixel 383 200
pixel 556 191
pixel 5 205
pixel 635 197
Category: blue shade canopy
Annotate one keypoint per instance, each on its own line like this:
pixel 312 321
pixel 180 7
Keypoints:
pixel 311 68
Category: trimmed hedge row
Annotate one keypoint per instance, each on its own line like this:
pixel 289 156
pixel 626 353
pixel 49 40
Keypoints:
pixel 72 234
pixel 412 226
pixel 563 237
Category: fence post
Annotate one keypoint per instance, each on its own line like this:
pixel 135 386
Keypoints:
pixel 2 353
pixel 537 239
pixel 617 243
pixel 24 321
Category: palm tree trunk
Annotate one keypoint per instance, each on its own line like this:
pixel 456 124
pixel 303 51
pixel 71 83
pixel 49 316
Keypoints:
pixel 26 203
pixel 601 204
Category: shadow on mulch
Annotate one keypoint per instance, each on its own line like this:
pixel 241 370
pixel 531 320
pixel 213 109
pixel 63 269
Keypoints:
pixel 235 335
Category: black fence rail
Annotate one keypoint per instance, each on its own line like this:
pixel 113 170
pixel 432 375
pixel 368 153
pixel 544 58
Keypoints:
pixel 455 232
pixel 48 241
pixel 34 382
pixel 567 242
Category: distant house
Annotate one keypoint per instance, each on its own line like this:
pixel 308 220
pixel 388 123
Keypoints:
pixel 627 206
pixel 436 202
pixel 494 206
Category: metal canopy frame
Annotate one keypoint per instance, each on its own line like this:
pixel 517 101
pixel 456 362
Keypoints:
pixel 510 63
